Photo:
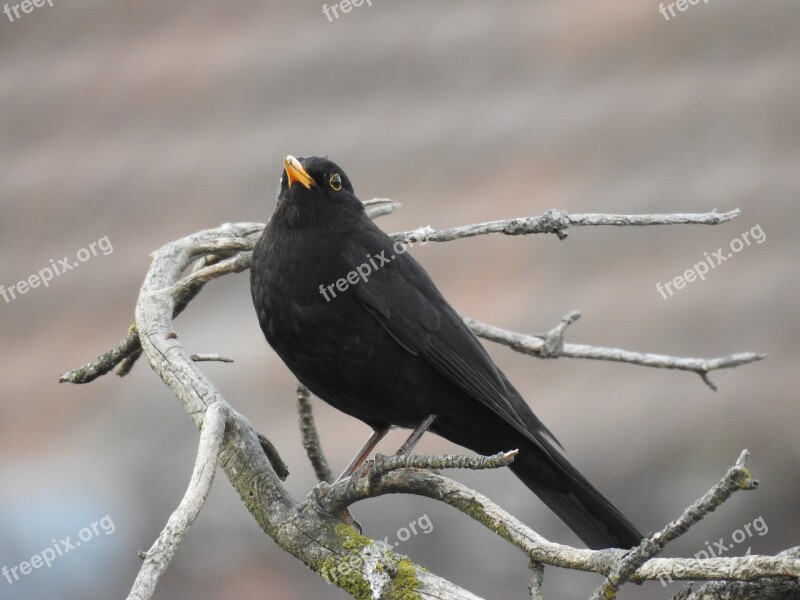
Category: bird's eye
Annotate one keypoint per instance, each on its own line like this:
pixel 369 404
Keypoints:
pixel 335 181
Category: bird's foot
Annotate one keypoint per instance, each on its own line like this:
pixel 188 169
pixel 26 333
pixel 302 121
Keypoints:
pixel 315 500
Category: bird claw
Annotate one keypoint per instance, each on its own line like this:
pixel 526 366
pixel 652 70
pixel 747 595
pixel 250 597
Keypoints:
pixel 316 502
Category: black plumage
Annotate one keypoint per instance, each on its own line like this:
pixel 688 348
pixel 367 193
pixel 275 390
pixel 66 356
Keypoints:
pixel 388 349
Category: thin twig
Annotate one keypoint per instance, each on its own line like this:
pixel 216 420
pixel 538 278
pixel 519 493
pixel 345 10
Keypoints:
pixel 737 478
pixel 106 361
pixel 310 436
pixel 541 347
pixel 344 492
pixel 385 464
pixel 273 456
pixel 537 580
pixel 557 221
pixel 211 358
pixel 197 279
pixel 378 207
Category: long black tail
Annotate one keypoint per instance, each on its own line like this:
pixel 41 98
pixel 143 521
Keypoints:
pixel 568 494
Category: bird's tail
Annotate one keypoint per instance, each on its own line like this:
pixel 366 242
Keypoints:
pixel 576 501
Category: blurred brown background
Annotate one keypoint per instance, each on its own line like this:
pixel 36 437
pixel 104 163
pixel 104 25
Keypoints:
pixel 147 121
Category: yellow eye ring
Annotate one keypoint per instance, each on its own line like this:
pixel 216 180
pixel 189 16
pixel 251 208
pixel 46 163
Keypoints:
pixel 335 182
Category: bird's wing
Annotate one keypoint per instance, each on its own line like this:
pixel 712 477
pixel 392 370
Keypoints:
pixel 407 304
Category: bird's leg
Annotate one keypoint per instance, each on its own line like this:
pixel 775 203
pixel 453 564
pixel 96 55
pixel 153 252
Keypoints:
pixel 412 440
pixel 376 436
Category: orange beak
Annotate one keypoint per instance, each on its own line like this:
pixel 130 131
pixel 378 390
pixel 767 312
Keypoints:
pixel 296 172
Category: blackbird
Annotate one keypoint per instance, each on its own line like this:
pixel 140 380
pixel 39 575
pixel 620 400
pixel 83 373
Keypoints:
pixel 359 322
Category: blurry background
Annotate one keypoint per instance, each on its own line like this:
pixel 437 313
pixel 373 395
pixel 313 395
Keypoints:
pixel 143 122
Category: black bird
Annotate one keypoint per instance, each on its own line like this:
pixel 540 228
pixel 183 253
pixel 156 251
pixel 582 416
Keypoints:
pixel 387 348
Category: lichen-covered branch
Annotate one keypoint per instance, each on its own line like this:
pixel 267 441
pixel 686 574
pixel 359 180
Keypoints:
pixel 542 551
pixel 385 464
pixel 364 567
pixel 537 581
pixel 320 541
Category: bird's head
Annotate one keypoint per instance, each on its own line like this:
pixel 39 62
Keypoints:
pixel 314 189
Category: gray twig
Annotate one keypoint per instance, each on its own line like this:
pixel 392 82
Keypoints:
pixel 385 464
pixel 106 361
pixel 310 436
pixel 273 456
pixel 551 345
pixel 342 494
pixel 537 580
pixel 378 207
pixel 211 358
pixel 737 478
pixel 557 222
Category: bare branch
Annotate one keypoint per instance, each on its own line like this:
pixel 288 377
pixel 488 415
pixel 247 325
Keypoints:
pixel 319 541
pixel 106 361
pixel 537 581
pixel 772 588
pixel 385 464
pixel 273 456
pixel 179 271
pixel 378 207
pixel 551 345
pixel 159 556
pixel 540 550
pixel 211 358
pixel 310 437
pixel 557 221
pixel 341 494
pixel 709 218
pixel 189 285
pixel 737 478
